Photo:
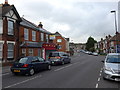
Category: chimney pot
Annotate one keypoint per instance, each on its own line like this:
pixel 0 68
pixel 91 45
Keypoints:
pixel 40 25
pixel 6 1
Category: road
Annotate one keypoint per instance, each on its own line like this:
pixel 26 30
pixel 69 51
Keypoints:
pixel 85 71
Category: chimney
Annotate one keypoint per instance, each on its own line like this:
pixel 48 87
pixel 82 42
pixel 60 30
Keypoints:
pixel 106 37
pixel 40 25
pixel 6 1
pixel 101 39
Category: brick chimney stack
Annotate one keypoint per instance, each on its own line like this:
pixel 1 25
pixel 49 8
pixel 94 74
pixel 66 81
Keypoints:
pixel 6 1
pixel 40 25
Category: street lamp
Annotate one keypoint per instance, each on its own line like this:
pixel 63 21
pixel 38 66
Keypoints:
pixel 115 27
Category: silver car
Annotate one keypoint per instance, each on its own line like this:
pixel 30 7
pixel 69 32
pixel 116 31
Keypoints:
pixel 111 69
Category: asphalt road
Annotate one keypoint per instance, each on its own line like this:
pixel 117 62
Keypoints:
pixel 85 71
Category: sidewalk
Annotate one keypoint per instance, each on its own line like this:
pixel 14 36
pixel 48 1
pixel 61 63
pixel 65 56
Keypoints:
pixel 5 69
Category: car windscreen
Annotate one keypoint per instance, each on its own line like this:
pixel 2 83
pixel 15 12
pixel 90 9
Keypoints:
pixel 22 60
pixel 53 54
pixel 113 59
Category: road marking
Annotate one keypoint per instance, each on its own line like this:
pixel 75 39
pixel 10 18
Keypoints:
pixel 97 85
pixel 100 74
pixel 4 74
pixel 63 67
pixel 23 81
pixel 98 79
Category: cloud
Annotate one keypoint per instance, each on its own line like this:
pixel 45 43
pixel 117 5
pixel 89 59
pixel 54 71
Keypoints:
pixel 72 18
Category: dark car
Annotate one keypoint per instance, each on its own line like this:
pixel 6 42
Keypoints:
pixel 59 58
pixel 29 65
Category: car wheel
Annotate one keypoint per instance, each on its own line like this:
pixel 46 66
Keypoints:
pixel 49 67
pixel 31 72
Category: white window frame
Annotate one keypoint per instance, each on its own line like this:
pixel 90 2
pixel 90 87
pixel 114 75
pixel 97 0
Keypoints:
pixel 26 34
pixel 24 52
pixel 59 40
pixel 30 52
pixel 33 35
pixel 1 49
pixel 10 50
pixel 10 29
pixel 42 36
pixel 1 26
pixel 47 38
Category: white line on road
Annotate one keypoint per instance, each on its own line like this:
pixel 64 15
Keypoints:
pixel 100 74
pixel 23 81
pixel 63 67
pixel 98 79
pixel 4 74
pixel 97 85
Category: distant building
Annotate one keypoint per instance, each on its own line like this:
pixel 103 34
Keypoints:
pixel 61 42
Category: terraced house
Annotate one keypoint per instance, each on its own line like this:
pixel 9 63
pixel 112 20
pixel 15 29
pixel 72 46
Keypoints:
pixel 9 33
pixel 20 37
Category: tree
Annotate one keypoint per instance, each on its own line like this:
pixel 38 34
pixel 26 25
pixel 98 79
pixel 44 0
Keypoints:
pixel 90 44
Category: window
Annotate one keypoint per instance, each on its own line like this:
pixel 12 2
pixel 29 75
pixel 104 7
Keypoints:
pixel 10 50
pixel 41 59
pixel 10 27
pixel 47 38
pixel 1 26
pixel 33 35
pixel 60 47
pixel 30 52
pixel 26 34
pixel 42 36
pixel 24 52
pixel 59 40
pixel 1 47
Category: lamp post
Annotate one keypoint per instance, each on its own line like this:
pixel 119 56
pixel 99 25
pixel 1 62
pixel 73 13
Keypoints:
pixel 115 27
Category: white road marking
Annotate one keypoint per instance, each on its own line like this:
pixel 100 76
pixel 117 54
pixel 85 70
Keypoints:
pixel 4 74
pixel 100 74
pixel 98 79
pixel 23 81
pixel 63 67
pixel 97 85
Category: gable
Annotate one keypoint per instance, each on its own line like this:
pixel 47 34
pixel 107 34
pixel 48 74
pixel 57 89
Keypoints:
pixel 11 14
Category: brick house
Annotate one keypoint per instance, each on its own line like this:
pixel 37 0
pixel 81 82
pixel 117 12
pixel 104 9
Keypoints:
pixel 9 39
pixel 61 42
pixel 34 40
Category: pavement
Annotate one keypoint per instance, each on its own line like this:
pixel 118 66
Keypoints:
pixel 85 71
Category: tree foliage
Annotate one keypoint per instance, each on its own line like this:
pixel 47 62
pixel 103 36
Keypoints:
pixel 90 44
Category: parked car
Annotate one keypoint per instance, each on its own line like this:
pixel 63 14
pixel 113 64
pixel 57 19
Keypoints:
pixel 29 65
pixel 111 69
pixel 95 54
pixel 59 58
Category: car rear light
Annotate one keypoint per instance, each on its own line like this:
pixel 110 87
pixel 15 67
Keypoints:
pixel 11 65
pixel 25 65
pixel 57 57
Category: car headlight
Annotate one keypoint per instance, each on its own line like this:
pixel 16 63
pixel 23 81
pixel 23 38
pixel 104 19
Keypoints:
pixel 108 69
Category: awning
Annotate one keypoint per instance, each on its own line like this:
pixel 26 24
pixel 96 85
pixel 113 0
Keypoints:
pixel 31 44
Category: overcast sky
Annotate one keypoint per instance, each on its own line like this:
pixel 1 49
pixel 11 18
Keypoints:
pixel 74 19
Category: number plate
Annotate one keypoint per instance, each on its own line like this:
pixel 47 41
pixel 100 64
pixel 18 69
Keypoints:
pixel 16 70
pixel 52 62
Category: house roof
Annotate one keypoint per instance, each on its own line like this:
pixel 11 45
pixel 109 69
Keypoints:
pixel 114 37
pixel 33 26
pixel 6 8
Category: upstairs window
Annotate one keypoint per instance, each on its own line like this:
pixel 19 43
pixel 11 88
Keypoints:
pixel 59 40
pixel 33 36
pixel 47 38
pixel 10 27
pixel 26 35
pixel 42 36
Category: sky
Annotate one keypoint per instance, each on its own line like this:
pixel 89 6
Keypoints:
pixel 74 19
